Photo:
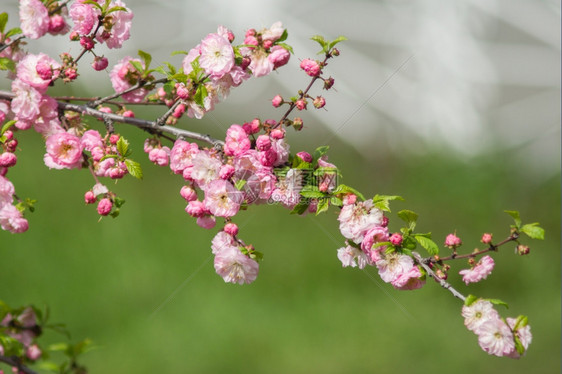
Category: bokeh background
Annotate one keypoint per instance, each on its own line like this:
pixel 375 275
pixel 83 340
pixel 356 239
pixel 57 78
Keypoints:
pixel 453 105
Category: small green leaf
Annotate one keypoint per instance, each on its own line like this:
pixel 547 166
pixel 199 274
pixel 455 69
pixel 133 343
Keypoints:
pixel 409 217
pixel 58 347
pixel 134 168
pixel 115 213
pixel 200 95
pixel 116 9
pixel 336 201
pixel 82 347
pixel 409 243
pixel 118 202
pixel 137 65
pixel 123 146
pixel 382 202
pixel 323 205
pixel 146 58
pixel 336 41
pixel 7 126
pixel 14 31
pixel 179 53
pixel 533 231
pixel 7 64
pixel 93 3
pixel 343 189
pixel 3 21
pixel 300 208
pixel 49 366
pixel 520 322
pixel 240 184
pixel 283 36
pixel 518 345
pixel 287 47
pixel 312 194
pixel 515 215
pixel 470 299
pixel 319 152
pixel 428 244
pixel 320 40
pixel 498 302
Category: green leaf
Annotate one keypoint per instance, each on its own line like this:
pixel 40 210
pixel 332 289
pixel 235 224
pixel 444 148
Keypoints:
pixel 319 152
pixel 409 243
pixel 409 217
pixel 134 168
pixel 300 208
pixel 240 184
pixel 14 31
pixel 518 345
pixel 320 40
pixel 312 194
pixel 7 126
pixel 93 3
pixel 146 58
pixel 520 322
pixel 533 231
pixel 336 201
pixel 498 302
pixel 123 146
pixel 200 95
pixel 283 36
pixel 323 205
pixel 382 202
pixel 515 215
pixel 115 213
pixel 428 244
pixel 326 170
pixel 82 347
pixel 118 202
pixel 343 189
pixel 179 53
pixel 287 47
pixel 137 65
pixel 49 366
pixel 116 9
pixel 336 41
pixel 3 21
pixel 470 299
pixel 58 347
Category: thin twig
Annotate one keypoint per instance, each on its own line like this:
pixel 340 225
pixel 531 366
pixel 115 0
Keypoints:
pixel 6 45
pixel 442 282
pixel 15 362
pixel 137 86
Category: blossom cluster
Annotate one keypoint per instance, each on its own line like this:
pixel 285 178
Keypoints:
pixel 510 337
pixel 23 329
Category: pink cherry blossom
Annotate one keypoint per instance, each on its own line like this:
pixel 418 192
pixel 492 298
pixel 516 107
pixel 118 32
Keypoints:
pixel 281 149
pixel 57 25
pixel 26 103
pixel 181 155
pixel 452 241
pixel 305 156
pixel 91 139
pixel 34 18
pixel 120 31
pixel 6 191
pixel 235 267
pixel 104 207
pixel 222 198
pixel 8 159
pixel 188 193
pixel 84 17
pixel 376 234
pixel 260 65
pixel 477 313
pixel 274 32
pixel 279 56
pixel 63 151
pixel 357 219
pixel 33 352
pixel 222 241
pixel 524 335
pixel 100 63
pixel 393 265
pixel 311 67
pixel 495 337
pixel 237 141
pixel 189 58
pixel 123 76
pixel 231 229
pixel 410 280
pixel 351 256
pixel 11 219
pixel 288 188
pixel 217 55
pixel 159 156
pixel 481 271
pixel 207 222
pixel 205 168
pixel 196 208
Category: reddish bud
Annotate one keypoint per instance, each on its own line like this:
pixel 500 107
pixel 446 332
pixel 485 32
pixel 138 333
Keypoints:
pixel 328 83
pixel 87 43
pixel 100 63
pixel 301 104
pixel 297 123
pixel 104 207
pixel 319 102
pixel 486 238
pixel 114 138
pixel 278 134
pixel 8 159
pixel 452 241
pixel 277 101
pixel 523 250
pixel 395 239
pixel 128 114
pixel 90 197
pixel 231 229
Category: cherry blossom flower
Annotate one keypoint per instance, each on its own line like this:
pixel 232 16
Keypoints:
pixel 26 103
pixel 6 191
pixel 237 141
pixel 481 271
pixel 11 219
pixel 235 267
pixel 38 71
pixel 222 241
pixel 121 26
pixel 279 56
pixel 64 151
pixel 351 256
pixel 477 313
pixel 84 17
pixel 123 76
pixel 217 55
pixel 181 155
pixel 524 335
pixel 357 219
pixel 393 265
pixel 495 337
pixel 91 139
pixel 222 198
pixel 34 18
pixel 205 168
pixel 410 280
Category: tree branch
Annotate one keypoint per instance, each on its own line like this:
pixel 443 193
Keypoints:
pixel 149 126
pixel 442 282
pixel 15 362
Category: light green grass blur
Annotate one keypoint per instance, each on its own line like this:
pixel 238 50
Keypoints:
pixel 143 287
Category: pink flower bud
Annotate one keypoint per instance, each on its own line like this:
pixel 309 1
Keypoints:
pixel 182 91
pixel 87 43
pixel 349 199
pixel 179 111
pixel 297 123
pixel 523 250
pixel 277 134
pixel 8 159
pixel 311 67
pixel 57 24
pixel 195 208
pixel 328 83
pixel 267 44
pixel 97 153
pixel 71 74
pixel 277 101
pixel 11 145
pixel 384 221
pixel 319 102
pixel 279 56
pixel 74 36
pixel 44 70
pixel 33 352
pixel 250 32
pixel 395 239
pixel 267 158
pixel 486 238
pixel 305 156
pixel 9 134
pixel 104 207
pixel 452 241
pixel 90 197
pixel 230 36
pixel 231 229
pixel 263 143
pixel 226 171
pixel 129 114
pixel 301 104
pixel 114 138
pixel 251 40
pixel 100 63
pixel 252 127
pixel 188 193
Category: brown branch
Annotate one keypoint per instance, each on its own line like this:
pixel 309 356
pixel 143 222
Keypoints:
pixel 424 263
pixel 15 361
pixel 492 248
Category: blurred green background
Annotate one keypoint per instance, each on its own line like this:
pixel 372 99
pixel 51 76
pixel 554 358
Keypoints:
pixel 143 287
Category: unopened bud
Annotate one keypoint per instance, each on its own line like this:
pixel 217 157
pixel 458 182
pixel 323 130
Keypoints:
pixel 297 123
pixel 486 238
pixel 523 250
